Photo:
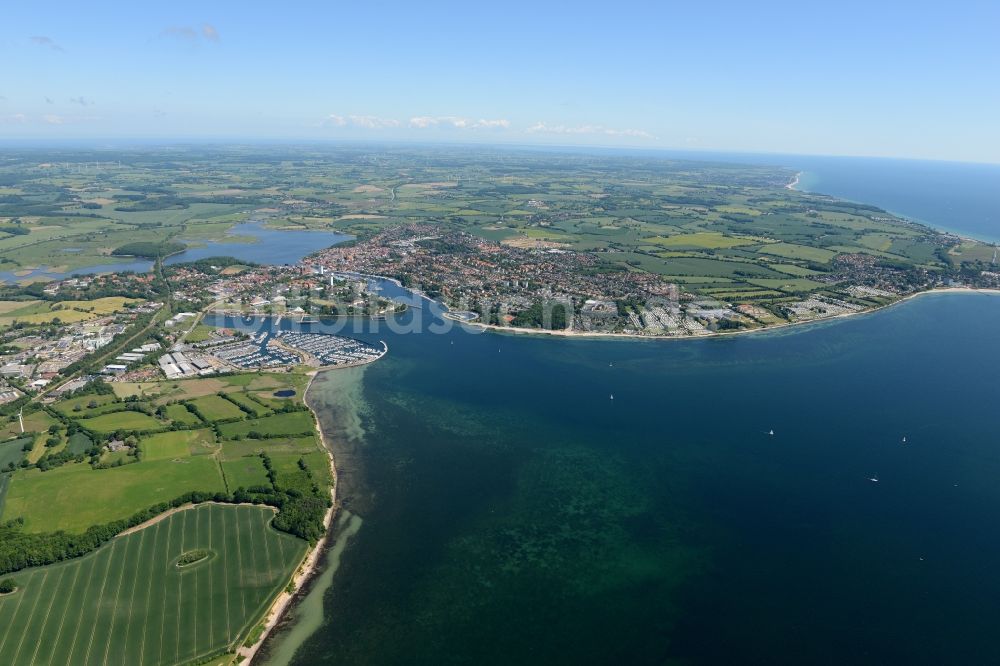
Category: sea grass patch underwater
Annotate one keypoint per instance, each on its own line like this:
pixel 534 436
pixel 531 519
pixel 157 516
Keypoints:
pixel 515 513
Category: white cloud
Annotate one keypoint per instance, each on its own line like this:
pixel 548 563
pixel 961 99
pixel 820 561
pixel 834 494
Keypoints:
pixel 457 122
pixel 423 122
pixel 14 119
pixel 543 128
pixel 210 32
pixel 364 122
pixel 493 123
pixel 47 42
pixel 52 119
pixel 372 122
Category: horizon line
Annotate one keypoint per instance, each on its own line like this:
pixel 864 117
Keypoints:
pixel 139 142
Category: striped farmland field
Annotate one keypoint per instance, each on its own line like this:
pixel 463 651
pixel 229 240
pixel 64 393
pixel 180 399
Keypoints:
pixel 130 603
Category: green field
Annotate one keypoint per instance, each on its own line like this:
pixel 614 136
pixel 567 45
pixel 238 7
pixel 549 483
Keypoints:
pixel 78 407
pixel 245 472
pixel 246 402
pixel 276 445
pixel 216 408
pixel 121 421
pixel 43 312
pixel 79 443
pixel 75 496
pixel 34 422
pixel 792 251
pixel 293 423
pixel 181 414
pixel 129 603
pixel 706 240
pixel 199 333
pixel 177 444
pixel 10 451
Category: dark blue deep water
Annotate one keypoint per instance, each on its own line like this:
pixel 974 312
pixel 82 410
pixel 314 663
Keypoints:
pixel 515 514
pixel 960 197
pixel 954 196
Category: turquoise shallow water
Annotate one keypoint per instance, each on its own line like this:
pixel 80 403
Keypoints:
pixel 514 513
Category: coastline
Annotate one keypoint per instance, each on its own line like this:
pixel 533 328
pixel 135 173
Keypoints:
pixel 706 336
pixel 309 566
pixel 515 330
pixel 795 181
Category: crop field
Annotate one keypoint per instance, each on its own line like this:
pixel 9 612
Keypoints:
pixel 43 312
pixel 708 240
pixel 130 603
pixel 792 251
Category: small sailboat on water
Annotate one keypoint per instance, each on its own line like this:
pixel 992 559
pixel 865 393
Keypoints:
pixel 874 479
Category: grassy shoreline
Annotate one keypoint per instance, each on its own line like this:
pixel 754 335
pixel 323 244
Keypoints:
pixel 309 567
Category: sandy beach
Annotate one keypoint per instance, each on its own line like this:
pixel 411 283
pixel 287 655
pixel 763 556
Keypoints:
pixel 705 336
pixel 309 566
pixel 634 336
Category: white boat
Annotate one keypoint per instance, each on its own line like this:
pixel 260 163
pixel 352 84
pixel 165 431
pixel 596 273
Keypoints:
pixel 612 396
pixel 771 433
pixel 874 479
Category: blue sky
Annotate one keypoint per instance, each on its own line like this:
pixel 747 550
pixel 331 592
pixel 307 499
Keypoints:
pixel 899 79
